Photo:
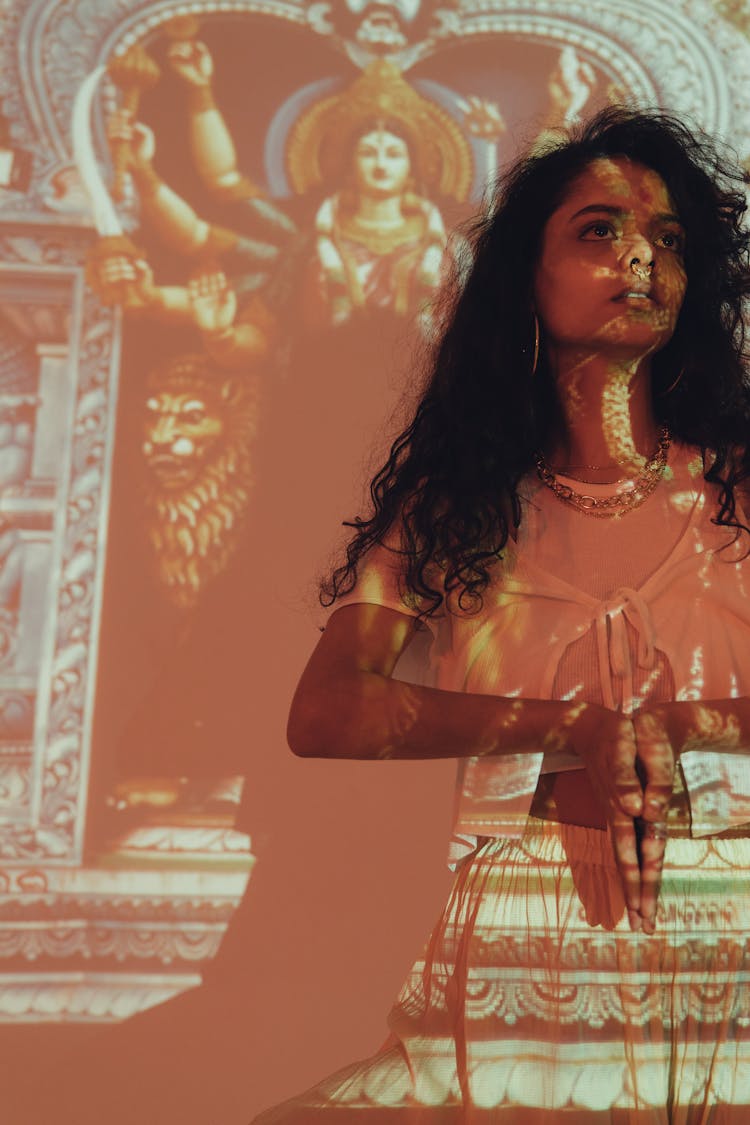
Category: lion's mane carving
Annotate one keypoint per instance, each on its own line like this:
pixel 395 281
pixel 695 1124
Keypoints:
pixel 199 428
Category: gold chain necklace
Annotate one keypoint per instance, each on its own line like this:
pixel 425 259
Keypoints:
pixel 620 503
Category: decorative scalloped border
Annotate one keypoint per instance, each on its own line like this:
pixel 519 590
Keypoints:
pixel 94 997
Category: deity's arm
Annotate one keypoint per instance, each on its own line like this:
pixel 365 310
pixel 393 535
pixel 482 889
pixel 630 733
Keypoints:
pixel 177 222
pixel 184 230
pixel 234 335
pixel 570 86
pixel 174 218
pixel 483 121
pixel 213 148
pixel 172 301
pixel 120 274
pixel 243 345
pixel 211 143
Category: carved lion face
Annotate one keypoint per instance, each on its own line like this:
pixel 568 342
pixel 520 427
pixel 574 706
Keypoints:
pixel 181 431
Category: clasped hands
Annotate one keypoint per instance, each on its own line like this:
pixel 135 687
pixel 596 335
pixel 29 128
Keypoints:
pixel 630 761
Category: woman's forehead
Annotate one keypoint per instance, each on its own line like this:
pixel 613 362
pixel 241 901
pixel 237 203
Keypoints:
pixel 618 180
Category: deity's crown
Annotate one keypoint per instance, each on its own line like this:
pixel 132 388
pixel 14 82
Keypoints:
pixel 321 142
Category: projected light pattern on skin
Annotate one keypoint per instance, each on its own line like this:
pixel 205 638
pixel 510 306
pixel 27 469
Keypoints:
pixel 592 958
pixel 611 273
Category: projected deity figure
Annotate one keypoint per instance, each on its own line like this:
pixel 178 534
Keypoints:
pixel 378 240
pixel 323 281
pixel 371 169
pixel 382 150
pixel 378 149
pixel 217 293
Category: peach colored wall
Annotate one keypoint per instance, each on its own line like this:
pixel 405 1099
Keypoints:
pixel 259 323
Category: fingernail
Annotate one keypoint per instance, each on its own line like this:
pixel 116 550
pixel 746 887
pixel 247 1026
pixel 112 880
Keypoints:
pixel 635 919
pixel 648 926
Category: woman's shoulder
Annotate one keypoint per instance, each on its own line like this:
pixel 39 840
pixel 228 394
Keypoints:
pixel 698 462
pixel 742 464
pixel 687 461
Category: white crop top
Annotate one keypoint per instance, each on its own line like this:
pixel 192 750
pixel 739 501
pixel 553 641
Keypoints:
pixel 654 605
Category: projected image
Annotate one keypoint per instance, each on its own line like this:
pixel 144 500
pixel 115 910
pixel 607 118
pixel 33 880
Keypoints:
pixel 365 171
pixel 265 290
pixel 198 428
pixel 281 260
pixel 34 393
pixel 232 237
pixel 374 243
pixel 320 246
pixel 555 514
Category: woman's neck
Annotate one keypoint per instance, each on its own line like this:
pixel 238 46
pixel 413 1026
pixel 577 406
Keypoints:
pixel 609 428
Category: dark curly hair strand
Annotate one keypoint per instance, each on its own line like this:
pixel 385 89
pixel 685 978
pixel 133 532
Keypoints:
pixel 451 481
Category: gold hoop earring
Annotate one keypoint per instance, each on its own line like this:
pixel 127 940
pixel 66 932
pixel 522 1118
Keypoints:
pixel 535 360
pixel 672 386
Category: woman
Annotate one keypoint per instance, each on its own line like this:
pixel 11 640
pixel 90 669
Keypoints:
pixel 565 515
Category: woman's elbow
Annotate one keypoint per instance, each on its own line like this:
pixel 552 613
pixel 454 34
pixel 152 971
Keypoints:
pixel 310 731
pixel 329 725
pixel 302 735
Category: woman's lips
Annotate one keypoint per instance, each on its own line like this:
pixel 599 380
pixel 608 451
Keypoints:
pixel 635 294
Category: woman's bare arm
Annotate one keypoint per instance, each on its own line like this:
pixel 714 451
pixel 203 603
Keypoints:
pixel 702 724
pixel 347 704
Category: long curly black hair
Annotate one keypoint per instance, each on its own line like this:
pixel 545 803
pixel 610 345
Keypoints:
pixel 451 481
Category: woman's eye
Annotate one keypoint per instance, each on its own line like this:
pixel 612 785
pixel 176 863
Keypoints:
pixel 671 240
pixel 598 230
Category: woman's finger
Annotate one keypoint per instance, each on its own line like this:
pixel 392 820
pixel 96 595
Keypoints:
pixel 627 789
pixel 652 840
pixel 655 764
pixel 625 848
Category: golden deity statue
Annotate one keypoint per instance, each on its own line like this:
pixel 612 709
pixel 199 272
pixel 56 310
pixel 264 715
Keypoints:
pixel 374 162
pixel 379 239
pixel 379 150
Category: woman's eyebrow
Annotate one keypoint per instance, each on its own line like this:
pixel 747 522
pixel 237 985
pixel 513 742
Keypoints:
pixel 601 208
pixel 609 209
pixel 670 217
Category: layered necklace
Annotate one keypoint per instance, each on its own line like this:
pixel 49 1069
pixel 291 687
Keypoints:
pixel 630 495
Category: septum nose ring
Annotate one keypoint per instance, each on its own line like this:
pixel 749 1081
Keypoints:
pixel 640 270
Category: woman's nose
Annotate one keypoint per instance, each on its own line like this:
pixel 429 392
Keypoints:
pixel 638 249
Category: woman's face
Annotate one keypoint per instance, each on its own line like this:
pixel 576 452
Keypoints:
pixel 381 163
pixel 611 277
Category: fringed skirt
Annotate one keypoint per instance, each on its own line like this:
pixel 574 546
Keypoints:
pixel 535 1002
